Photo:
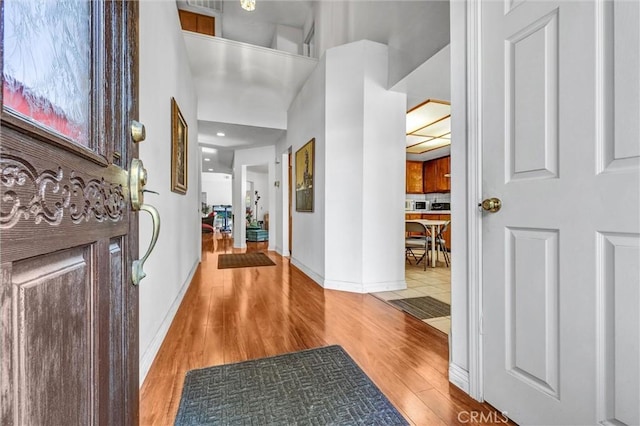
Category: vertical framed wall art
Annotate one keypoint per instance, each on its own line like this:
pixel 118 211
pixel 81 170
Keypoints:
pixel 179 141
pixel 304 177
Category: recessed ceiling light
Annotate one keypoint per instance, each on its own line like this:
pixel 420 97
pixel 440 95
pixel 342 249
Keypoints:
pixel 207 159
pixel 219 134
pixel 210 170
pixel 209 150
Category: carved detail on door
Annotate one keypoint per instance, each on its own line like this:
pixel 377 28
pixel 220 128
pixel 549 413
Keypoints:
pixel 31 195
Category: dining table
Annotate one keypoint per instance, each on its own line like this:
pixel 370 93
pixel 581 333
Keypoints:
pixel 434 229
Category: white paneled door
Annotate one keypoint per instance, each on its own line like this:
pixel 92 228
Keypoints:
pixel 560 117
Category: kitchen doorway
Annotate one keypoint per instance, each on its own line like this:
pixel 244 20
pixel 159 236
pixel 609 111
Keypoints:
pixel 428 192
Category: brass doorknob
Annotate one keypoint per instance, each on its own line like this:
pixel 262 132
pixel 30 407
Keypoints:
pixel 491 205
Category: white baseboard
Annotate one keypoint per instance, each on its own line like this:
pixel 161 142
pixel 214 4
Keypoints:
pixel 146 359
pixel 308 272
pixel 355 287
pixel 283 253
pixel 459 377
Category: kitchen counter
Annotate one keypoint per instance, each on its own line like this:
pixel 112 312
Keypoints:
pixel 427 211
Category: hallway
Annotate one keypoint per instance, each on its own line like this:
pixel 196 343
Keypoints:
pixel 233 315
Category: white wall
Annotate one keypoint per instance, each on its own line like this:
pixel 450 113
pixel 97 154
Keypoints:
pixel 288 39
pixel 218 188
pixel 306 120
pixel 413 30
pixel 164 73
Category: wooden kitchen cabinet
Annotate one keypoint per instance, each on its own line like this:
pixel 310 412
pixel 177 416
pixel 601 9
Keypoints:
pixel 197 23
pixel 414 177
pixel 444 170
pixel 433 177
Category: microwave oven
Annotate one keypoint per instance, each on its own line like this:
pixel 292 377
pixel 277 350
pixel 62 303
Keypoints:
pixel 415 205
pixel 421 205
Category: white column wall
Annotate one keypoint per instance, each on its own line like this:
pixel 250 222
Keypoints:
pixel 281 217
pixel 238 206
pixel 384 159
pixel 344 210
pixel 365 127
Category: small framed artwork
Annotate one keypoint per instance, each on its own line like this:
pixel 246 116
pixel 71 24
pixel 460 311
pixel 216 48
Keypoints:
pixel 179 140
pixel 304 177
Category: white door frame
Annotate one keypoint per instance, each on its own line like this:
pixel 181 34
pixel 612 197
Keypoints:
pixel 466 91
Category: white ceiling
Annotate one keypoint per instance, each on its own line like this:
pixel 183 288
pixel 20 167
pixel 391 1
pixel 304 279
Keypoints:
pixel 258 27
pixel 243 91
pixel 235 137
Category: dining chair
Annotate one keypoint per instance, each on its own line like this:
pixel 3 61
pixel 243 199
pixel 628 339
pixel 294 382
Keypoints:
pixel 442 243
pixel 417 242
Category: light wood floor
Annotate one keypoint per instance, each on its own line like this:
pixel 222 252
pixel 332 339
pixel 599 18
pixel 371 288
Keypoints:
pixel 234 315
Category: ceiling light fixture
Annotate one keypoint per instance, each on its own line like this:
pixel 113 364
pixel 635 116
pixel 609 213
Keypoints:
pixel 428 126
pixel 209 150
pixel 207 159
pixel 248 5
pixel 220 134
pixel 210 170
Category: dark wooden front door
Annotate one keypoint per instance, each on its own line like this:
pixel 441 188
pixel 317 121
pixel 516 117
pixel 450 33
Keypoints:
pixel 68 310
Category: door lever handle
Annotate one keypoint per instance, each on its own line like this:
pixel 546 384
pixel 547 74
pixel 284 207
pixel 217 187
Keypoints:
pixel 137 272
pixel 137 181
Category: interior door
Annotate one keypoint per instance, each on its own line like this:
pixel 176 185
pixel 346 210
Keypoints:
pixel 561 148
pixel 68 310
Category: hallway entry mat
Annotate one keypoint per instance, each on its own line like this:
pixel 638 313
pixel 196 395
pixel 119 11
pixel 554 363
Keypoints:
pixel 321 386
pixel 423 307
pixel 244 260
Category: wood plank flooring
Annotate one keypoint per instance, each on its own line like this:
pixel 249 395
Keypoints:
pixel 234 315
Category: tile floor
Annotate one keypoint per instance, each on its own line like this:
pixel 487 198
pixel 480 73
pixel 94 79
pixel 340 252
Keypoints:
pixel 434 282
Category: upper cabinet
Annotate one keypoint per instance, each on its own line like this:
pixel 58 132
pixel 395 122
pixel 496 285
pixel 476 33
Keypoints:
pixel 436 175
pixel 197 23
pixel 415 184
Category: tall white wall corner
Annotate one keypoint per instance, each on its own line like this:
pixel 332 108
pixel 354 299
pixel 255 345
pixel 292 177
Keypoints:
pixel 364 160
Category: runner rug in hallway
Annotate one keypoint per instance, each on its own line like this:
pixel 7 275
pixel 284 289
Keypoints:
pixel 423 307
pixel 319 386
pixel 244 260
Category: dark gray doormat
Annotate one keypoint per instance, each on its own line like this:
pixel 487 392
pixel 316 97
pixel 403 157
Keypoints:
pixel 423 307
pixel 322 386
pixel 243 260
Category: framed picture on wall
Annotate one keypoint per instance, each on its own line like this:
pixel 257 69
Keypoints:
pixel 304 177
pixel 179 140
